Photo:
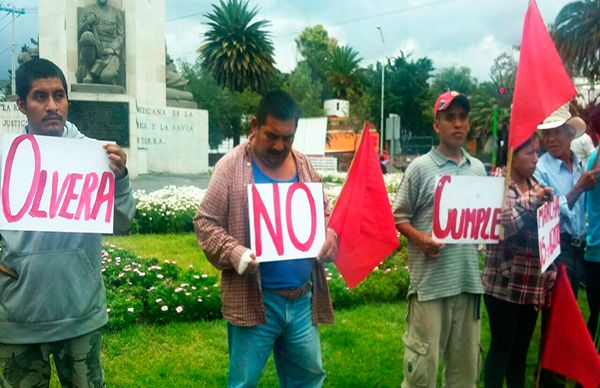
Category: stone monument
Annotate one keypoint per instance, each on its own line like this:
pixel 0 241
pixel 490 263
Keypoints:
pixel 101 40
pixel 177 96
pixel 156 136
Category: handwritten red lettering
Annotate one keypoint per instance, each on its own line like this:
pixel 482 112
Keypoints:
pixel 260 211
pixel 10 157
pixel 100 192
pixel 313 217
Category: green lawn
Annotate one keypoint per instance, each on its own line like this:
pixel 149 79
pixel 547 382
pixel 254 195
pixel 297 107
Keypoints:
pixel 362 349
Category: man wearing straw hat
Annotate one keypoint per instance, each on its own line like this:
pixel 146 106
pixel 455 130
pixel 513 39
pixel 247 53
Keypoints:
pixel 560 169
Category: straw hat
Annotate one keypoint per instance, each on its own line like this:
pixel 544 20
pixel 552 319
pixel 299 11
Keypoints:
pixel 562 116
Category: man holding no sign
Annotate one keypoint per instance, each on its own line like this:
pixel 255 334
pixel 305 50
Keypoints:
pixel 52 298
pixel 268 305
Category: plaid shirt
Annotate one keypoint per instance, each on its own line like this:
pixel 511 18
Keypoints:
pixel 222 231
pixel 512 269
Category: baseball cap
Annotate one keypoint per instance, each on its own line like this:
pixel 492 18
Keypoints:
pixel 445 100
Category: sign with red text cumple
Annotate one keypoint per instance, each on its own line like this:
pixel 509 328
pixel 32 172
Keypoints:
pixel 548 221
pixel 287 220
pixel 56 185
pixel 466 209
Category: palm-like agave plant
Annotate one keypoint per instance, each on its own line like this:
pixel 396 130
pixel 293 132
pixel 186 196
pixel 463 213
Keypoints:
pixel 576 34
pixel 237 51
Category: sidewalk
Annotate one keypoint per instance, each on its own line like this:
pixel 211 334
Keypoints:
pixel 153 181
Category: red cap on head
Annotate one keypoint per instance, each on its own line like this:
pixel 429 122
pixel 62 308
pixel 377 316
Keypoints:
pixel 447 98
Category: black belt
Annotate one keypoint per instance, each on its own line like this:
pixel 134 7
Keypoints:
pixel 574 241
pixel 294 293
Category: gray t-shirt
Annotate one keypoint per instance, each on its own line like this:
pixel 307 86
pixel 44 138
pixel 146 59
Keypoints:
pixel 456 270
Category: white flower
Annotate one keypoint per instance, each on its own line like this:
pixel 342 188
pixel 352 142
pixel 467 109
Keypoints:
pixel 158 300
pixel 130 309
pixel 142 274
pixel 108 309
pixel 178 289
pixel 179 309
pixel 160 276
pixel 196 276
pixel 164 308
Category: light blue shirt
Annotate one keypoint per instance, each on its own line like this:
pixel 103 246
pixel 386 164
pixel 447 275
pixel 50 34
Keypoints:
pixel 592 252
pixel 554 173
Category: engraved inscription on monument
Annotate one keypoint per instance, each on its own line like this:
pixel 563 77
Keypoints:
pixel 101 120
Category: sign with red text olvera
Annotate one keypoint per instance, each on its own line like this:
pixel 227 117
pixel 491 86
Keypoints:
pixel 287 220
pixel 466 209
pixel 548 221
pixel 56 185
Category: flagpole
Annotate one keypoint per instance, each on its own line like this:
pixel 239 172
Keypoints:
pixel 506 184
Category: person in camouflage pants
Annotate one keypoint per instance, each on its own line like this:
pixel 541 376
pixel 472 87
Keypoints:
pixel 76 362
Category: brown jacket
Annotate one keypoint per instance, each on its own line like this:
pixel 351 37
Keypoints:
pixel 222 231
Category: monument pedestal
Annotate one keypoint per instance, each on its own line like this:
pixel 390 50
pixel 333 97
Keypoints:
pixel 97 88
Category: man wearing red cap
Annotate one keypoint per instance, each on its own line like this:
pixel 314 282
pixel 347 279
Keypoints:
pixel 445 283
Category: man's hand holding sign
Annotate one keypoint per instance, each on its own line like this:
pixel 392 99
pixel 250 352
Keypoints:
pixel 287 222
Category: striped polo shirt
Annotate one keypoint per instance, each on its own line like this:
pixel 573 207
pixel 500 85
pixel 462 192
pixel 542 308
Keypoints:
pixel 456 270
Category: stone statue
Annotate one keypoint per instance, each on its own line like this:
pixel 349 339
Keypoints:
pixel 177 96
pixel 101 40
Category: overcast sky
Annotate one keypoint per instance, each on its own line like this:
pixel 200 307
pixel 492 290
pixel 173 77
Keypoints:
pixel 468 33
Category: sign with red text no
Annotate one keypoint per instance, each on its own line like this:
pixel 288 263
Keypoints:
pixel 56 185
pixel 548 221
pixel 466 209
pixel 287 220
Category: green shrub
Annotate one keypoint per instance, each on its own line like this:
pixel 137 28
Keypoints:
pixel 155 292
pixel 151 291
pixel 387 283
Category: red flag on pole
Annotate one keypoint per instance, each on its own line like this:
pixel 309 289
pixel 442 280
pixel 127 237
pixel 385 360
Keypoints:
pixel 542 84
pixel 362 217
pixel 568 348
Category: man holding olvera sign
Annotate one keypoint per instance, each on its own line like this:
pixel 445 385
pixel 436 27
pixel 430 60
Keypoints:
pixel 52 298
pixel 274 305
pixel 445 285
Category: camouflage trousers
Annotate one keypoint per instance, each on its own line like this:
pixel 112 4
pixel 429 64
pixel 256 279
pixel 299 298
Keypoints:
pixel 77 362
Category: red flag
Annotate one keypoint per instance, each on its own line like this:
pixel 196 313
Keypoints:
pixel 568 348
pixel 362 217
pixel 542 84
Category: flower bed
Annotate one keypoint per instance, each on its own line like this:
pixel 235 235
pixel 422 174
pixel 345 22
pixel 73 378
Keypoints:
pixel 172 209
pixel 150 291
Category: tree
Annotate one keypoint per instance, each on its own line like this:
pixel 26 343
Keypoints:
pixel 315 44
pixel 305 90
pixel 342 71
pixel 407 92
pixel 237 51
pixel 224 110
pixel 453 78
pixel 576 33
pixel 503 75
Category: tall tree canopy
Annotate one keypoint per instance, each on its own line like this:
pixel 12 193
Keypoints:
pixel 342 71
pixel 407 92
pixel 453 78
pixel 576 33
pixel 237 51
pixel 315 44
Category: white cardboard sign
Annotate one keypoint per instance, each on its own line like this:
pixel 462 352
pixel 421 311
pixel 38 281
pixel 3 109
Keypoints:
pixel 287 220
pixel 466 209
pixel 548 221
pixel 55 184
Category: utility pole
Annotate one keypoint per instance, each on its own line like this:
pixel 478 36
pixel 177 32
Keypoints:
pixel 382 89
pixel 13 11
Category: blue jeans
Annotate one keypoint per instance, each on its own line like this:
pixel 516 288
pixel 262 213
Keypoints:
pixel 290 333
